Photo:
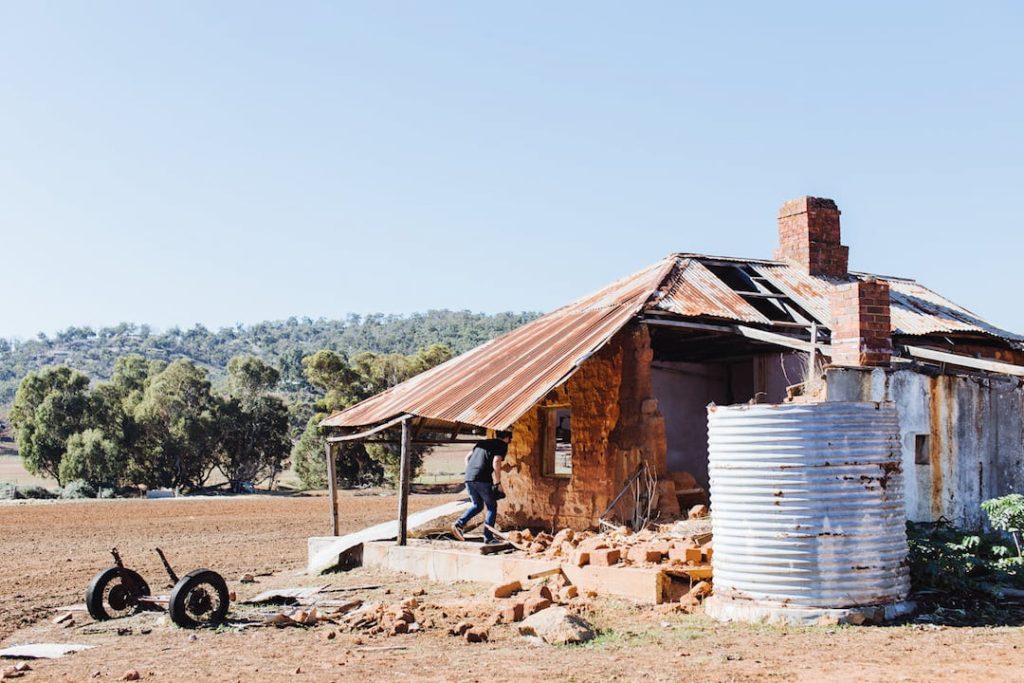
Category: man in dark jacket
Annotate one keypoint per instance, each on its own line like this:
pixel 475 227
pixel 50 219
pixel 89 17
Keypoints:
pixel 483 482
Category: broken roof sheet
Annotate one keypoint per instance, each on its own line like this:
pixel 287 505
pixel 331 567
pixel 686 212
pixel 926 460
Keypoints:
pixel 496 383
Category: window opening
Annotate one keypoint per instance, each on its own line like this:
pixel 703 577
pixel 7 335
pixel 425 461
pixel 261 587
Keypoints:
pixel 557 450
pixel 922 452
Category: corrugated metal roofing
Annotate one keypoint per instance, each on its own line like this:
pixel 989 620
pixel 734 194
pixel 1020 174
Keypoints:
pixel 914 309
pixel 692 290
pixel 496 383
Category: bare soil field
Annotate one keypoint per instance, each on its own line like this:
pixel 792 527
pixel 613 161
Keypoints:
pixel 13 472
pixel 49 551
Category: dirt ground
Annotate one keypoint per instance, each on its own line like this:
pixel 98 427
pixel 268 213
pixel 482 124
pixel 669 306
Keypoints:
pixel 49 551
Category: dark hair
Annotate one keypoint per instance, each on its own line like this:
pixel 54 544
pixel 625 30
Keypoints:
pixel 503 434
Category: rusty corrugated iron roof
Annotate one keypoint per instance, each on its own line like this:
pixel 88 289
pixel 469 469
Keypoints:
pixel 494 384
pixel 914 309
pixel 692 290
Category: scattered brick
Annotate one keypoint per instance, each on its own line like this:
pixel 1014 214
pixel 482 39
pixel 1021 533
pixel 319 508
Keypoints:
pixel 580 558
pixel 476 635
pixel 605 557
pixel 642 554
pixel 506 590
pixel 460 628
pixel 512 613
pixel 534 605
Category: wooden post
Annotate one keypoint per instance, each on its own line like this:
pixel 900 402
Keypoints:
pixel 332 487
pixel 403 483
pixel 811 382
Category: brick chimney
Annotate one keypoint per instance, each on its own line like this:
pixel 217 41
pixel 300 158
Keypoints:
pixel 809 237
pixel 861 331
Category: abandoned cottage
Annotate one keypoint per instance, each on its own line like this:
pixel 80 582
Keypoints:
pixel 619 382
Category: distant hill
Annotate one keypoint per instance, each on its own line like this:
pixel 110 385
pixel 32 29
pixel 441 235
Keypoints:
pixel 282 343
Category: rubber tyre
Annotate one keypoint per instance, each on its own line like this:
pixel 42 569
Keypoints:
pixel 131 587
pixel 200 598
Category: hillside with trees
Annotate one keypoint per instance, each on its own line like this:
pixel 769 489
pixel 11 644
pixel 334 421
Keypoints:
pixel 282 343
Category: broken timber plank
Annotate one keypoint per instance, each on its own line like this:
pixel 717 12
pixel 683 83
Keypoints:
pixel 965 361
pixel 702 571
pixel 546 572
pixel 503 537
pixel 492 548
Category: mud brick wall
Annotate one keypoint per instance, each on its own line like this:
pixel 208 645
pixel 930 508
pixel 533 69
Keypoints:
pixel 615 425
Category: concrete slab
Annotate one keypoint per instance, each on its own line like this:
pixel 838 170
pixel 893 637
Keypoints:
pixel 463 562
pixel 451 563
pixel 327 552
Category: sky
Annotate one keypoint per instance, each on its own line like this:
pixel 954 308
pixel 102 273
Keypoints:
pixel 174 163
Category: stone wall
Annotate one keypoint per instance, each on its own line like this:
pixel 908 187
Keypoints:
pixel 615 424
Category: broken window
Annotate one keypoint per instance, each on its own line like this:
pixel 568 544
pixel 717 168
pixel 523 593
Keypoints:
pixel 922 452
pixel 557 437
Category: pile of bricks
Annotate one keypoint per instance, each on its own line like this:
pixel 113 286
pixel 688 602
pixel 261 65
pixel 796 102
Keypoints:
pixel 519 603
pixel 381 619
pixel 619 546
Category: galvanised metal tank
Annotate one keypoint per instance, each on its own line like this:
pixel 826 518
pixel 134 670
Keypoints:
pixel 807 513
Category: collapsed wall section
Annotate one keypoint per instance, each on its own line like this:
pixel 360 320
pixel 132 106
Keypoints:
pixel 616 425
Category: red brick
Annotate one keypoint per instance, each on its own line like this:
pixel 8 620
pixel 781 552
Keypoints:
pixel 505 590
pixel 512 613
pixel 642 554
pixel 605 557
pixel 534 605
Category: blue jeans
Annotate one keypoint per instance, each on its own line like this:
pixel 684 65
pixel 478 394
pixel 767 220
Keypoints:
pixel 481 494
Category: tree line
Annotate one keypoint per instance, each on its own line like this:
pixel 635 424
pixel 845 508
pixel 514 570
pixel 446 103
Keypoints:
pixel 164 425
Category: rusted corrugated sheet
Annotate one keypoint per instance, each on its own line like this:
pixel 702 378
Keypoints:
pixel 497 382
pixel 918 310
pixel 915 310
pixel 809 292
pixel 692 290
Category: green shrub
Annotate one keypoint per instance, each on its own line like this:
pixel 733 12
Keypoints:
pixel 78 488
pixel 945 558
pixel 33 493
pixel 1007 514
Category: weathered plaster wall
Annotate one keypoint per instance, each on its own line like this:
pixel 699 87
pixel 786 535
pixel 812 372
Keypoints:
pixel 615 424
pixel 975 429
pixel 684 390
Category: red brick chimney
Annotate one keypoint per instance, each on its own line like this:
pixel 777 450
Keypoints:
pixel 861 331
pixel 809 237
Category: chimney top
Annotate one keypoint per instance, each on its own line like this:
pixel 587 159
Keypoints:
pixel 809 237
pixel 805 204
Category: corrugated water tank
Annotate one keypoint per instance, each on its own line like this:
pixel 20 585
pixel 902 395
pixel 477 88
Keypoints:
pixel 807 512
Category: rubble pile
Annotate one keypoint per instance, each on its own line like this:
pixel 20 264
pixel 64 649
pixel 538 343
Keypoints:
pixel 662 545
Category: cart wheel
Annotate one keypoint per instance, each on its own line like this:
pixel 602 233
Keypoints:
pixel 200 598
pixel 115 593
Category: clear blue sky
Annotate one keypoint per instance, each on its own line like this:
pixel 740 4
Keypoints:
pixel 182 162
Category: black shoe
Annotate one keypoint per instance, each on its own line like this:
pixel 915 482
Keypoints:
pixel 457 532
pixel 493 541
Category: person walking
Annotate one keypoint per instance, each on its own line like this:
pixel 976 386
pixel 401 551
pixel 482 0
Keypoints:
pixel 483 483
